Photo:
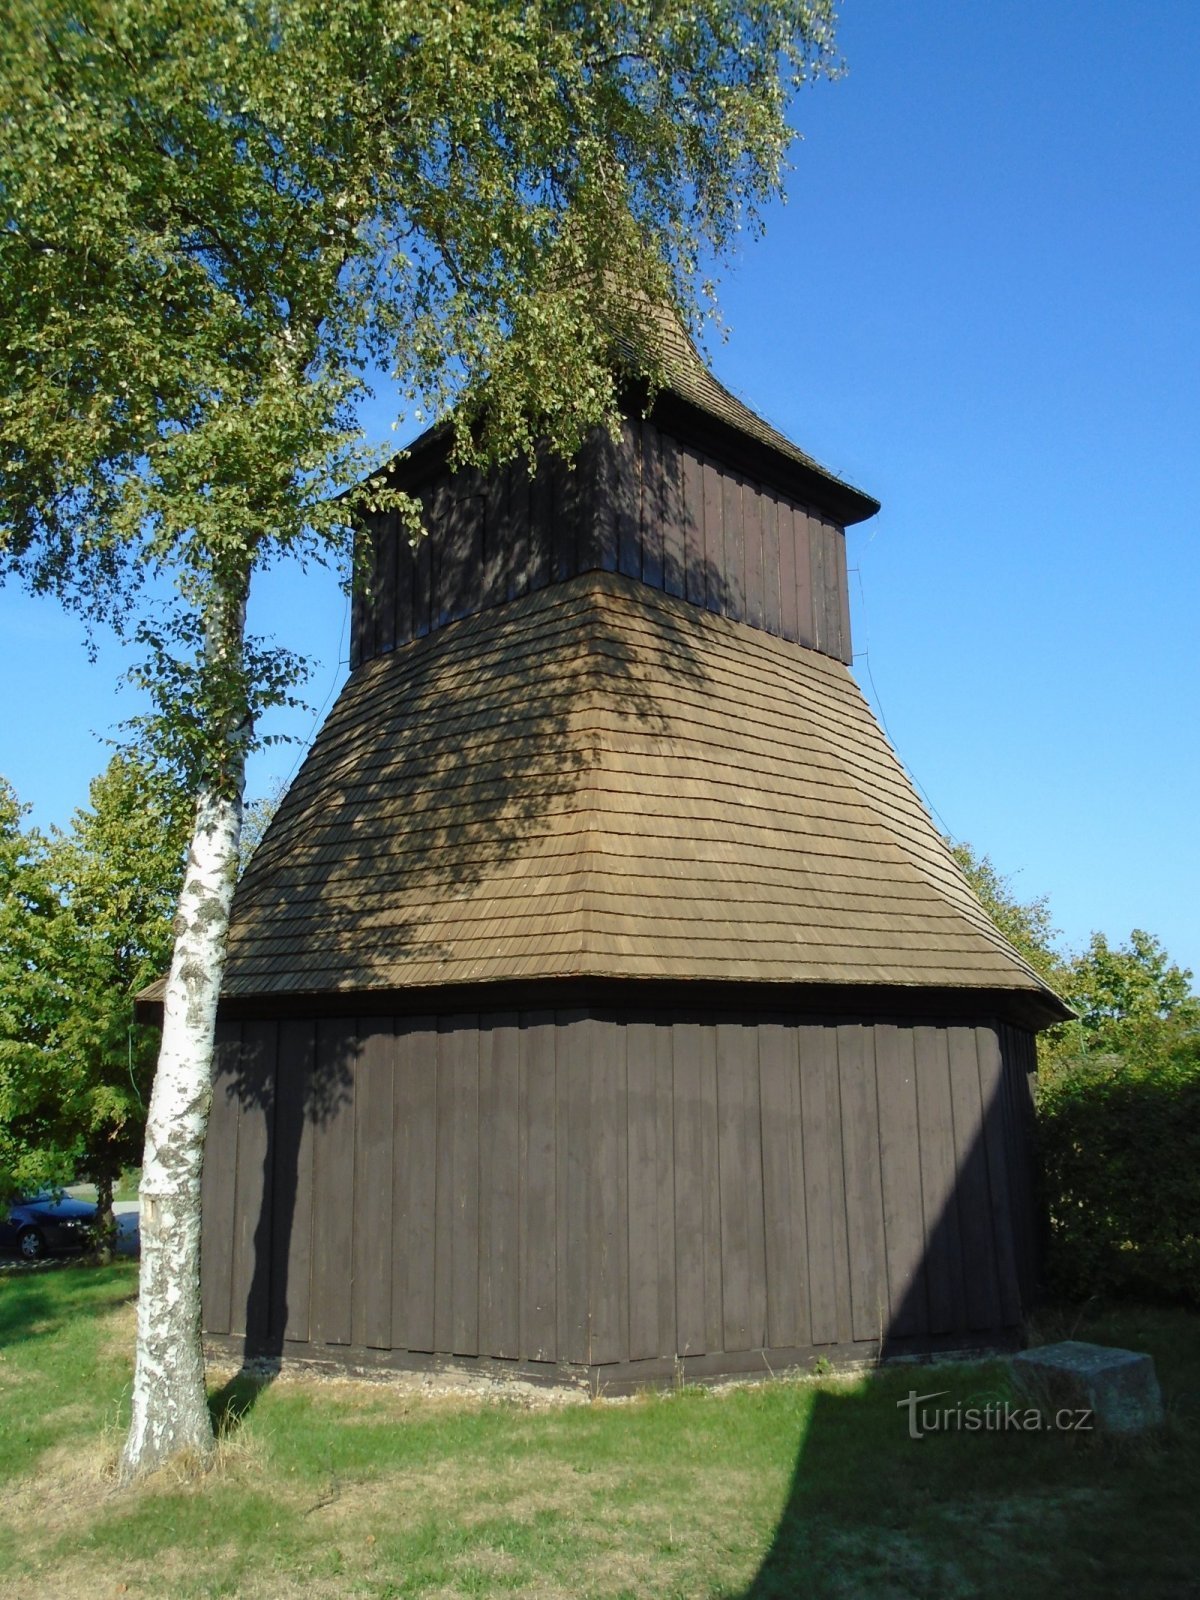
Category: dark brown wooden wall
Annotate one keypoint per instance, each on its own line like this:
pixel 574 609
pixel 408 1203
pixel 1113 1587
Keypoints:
pixel 647 506
pixel 577 1191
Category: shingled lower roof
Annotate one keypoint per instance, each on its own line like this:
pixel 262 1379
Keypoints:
pixel 601 781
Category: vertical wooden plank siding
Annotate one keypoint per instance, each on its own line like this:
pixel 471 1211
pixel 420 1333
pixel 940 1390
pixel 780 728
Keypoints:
pixel 752 523
pixel 664 1143
pixel 674 519
pixel 772 619
pixel 710 1190
pixel 733 1159
pixel 292 1203
pixel 822 1178
pixel 419 1069
pixel 499 1186
pixel 691 1337
pixel 991 1087
pixel 782 1207
pixel 628 506
pixel 458 1046
pixel 385 600
pixel 371 1289
pixel 333 1183
pixel 971 1183
pixel 567 1187
pixel 806 632
pixel 573 1058
pixel 218 1182
pixel 540 1202
pixel 250 1288
pixel 695 588
pixel 643 1188
pixel 653 508
pixel 943 1248
pixel 647 506
pixel 900 1175
pixel 869 1308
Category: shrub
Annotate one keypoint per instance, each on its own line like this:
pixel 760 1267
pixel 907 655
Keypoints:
pixel 1120 1149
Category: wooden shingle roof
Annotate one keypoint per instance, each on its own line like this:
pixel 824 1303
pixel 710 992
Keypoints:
pixel 602 781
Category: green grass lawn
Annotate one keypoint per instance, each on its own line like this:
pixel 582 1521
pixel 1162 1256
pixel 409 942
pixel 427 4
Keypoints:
pixel 799 1489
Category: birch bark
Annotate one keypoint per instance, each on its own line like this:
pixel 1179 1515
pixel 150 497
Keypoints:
pixel 170 1403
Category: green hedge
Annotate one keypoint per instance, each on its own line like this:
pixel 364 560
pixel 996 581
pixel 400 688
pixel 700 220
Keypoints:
pixel 1120 1151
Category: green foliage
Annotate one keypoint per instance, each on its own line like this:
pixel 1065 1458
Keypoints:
pixel 1120 1145
pixel 87 922
pixel 1026 924
pixel 219 219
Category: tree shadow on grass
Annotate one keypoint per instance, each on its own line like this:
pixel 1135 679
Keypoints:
pixel 39 1303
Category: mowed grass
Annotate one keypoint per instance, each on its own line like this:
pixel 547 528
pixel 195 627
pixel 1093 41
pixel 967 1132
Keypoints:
pixel 783 1489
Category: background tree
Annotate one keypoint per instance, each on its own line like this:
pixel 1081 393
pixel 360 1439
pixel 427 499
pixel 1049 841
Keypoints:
pixel 218 218
pixel 117 873
pixel 86 923
pixel 39 1143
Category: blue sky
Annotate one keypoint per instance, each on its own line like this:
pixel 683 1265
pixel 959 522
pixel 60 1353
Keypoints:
pixel 982 304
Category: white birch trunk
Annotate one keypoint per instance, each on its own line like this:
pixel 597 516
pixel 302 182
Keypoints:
pixel 170 1403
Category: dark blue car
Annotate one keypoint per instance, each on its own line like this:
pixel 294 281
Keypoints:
pixel 46 1224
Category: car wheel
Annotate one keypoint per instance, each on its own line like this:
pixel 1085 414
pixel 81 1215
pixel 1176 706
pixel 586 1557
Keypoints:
pixel 31 1244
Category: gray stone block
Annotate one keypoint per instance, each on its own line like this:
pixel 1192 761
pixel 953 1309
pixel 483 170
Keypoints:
pixel 1119 1387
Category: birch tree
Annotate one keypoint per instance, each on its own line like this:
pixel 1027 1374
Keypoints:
pixel 221 218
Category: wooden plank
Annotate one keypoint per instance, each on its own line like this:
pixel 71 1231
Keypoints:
pixel 733 521
pixel 806 628
pixel 499 1185
pixel 674 519
pixel 520 525
pixel 789 617
pixel 292 1200
pixel 820 589
pixel 752 526
pixel 371 1292
pixel 716 575
pixel 695 588
pixel 653 508
pixel 971 1184
pixel 780 1128
pixel 900 1174
pixel 822 1178
pixel 405 581
pixel 435 506
pixel 385 602
pixel 251 1285
pixel 417 1078
pixel 991 1070
pixel 541 524
pixel 711 1189
pixel 664 1113
pixel 628 500
pixel 845 638
pixel 869 1310
pixel 495 539
pixel 769 519
pixel 539 1201
pixel 732 1068
pixel 608 1239
pixel 691 1330
pixel 643 1187
pixel 568 514
pixel 458 556
pixel 333 1182
pixel 458 1047
pixel 575 1114
pixel 943 1250
pixel 359 608
pixel 219 1181
pixel 599 548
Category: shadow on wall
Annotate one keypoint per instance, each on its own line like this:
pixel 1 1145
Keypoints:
pixel 821 1545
